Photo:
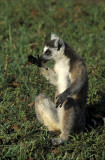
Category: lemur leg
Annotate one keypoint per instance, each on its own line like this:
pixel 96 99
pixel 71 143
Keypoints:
pixel 50 75
pixel 46 112
pixel 71 118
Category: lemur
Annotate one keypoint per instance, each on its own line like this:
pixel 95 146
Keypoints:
pixel 70 78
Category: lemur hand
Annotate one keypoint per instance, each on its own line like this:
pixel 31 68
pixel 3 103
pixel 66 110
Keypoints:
pixel 37 61
pixel 60 99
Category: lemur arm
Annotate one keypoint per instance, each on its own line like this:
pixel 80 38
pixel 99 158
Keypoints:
pixel 50 75
pixel 75 87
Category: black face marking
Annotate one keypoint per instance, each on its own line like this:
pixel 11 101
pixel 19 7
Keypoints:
pixel 50 43
pixel 59 46
pixel 47 52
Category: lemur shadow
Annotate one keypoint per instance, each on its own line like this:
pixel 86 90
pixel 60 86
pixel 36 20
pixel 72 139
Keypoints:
pixel 98 108
pixel 96 112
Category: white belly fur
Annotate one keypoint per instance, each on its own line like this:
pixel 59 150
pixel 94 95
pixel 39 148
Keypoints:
pixel 62 70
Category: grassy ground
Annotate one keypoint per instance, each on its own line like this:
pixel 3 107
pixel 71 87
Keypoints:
pixel 24 27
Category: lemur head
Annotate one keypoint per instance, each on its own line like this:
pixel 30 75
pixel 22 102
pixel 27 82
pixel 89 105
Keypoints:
pixel 54 49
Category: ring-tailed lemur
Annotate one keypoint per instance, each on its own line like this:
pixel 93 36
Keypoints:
pixel 69 76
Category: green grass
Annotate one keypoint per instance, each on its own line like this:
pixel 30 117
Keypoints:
pixel 24 27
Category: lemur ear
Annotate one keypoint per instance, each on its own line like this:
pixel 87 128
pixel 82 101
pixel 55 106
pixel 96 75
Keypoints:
pixel 59 44
pixel 54 36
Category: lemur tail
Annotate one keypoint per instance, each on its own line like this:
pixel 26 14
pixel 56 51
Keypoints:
pixel 95 121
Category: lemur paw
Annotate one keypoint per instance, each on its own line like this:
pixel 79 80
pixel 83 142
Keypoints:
pixel 37 61
pixel 57 141
pixel 60 99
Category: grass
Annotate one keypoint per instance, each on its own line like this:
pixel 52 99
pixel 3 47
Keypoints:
pixel 24 28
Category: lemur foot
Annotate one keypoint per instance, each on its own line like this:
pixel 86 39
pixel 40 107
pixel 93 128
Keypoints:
pixel 57 141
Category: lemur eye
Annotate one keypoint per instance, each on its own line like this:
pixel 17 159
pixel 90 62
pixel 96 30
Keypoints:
pixel 48 52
